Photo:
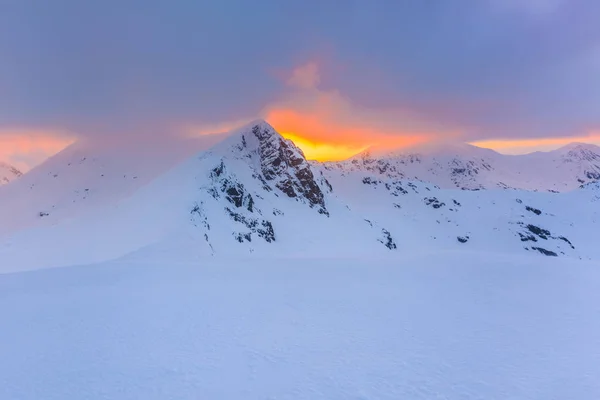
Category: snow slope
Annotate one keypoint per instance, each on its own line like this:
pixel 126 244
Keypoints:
pixel 473 168
pixel 88 176
pixel 253 194
pixel 443 326
pixel 8 173
pixel 246 272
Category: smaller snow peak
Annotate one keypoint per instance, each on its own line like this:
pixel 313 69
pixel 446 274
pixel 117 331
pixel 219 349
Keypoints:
pixel 580 146
pixel 581 152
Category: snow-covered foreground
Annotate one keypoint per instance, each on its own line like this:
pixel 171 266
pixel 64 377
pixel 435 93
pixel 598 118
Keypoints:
pixel 438 326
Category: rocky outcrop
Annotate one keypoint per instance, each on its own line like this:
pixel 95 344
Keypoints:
pixel 284 166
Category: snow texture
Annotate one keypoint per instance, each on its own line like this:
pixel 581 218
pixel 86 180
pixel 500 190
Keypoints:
pixel 439 326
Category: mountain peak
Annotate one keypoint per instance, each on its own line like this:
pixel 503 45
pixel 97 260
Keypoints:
pixel 579 146
pixel 278 160
pixel 248 127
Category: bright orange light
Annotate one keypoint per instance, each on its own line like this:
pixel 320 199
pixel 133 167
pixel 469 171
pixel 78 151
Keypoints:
pixel 323 151
pixel 324 140
pixel 329 126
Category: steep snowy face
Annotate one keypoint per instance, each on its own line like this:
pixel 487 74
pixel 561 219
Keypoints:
pixel 8 173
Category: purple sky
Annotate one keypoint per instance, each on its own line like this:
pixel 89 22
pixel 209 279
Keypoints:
pixel 491 69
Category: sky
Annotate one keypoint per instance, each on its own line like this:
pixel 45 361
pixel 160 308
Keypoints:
pixel 336 76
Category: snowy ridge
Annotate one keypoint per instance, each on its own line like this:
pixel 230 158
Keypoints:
pixel 253 194
pixel 468 167
pixel 8 173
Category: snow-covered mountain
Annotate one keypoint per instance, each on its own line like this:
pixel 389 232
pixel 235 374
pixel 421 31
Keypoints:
pixel 254 194
pixel 89 175
pixel 468 167
pixel 8 173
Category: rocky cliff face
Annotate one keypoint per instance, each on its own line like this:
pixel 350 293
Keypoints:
pixel 284 166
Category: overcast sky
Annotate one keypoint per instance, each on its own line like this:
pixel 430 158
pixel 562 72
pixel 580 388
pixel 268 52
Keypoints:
pixel 483 69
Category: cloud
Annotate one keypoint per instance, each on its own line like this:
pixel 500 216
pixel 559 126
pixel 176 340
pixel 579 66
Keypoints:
pixel 328 125
pixel 305 76
pixel 386 70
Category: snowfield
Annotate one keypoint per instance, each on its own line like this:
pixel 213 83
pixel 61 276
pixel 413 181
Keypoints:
pixel 438 326
pixel 233 268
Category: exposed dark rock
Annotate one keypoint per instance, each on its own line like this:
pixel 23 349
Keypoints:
pixel 370 181
pixel 263 181
pixel 413 187
pixel 433 202
pixel 527 237
pixel 592 175
pixel 266 232
pixel 387 240
pixel 545 252
pixel 263 228
pixel 198 216
pixel 533 210
pixel 564 239
pixel 284 163
pixel 218 170
pixel 540 232
pixel 241 237
pixel 234 191
pixel 463 239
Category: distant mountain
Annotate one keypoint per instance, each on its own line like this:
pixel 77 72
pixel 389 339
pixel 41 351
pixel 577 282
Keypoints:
pixel 468 167
pixel 8 173
pixel 254 194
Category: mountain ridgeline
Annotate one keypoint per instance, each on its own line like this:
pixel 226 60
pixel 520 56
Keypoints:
pixel 253 193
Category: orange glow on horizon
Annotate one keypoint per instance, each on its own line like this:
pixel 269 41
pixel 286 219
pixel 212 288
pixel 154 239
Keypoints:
pixel 323 151
pixel 324 140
